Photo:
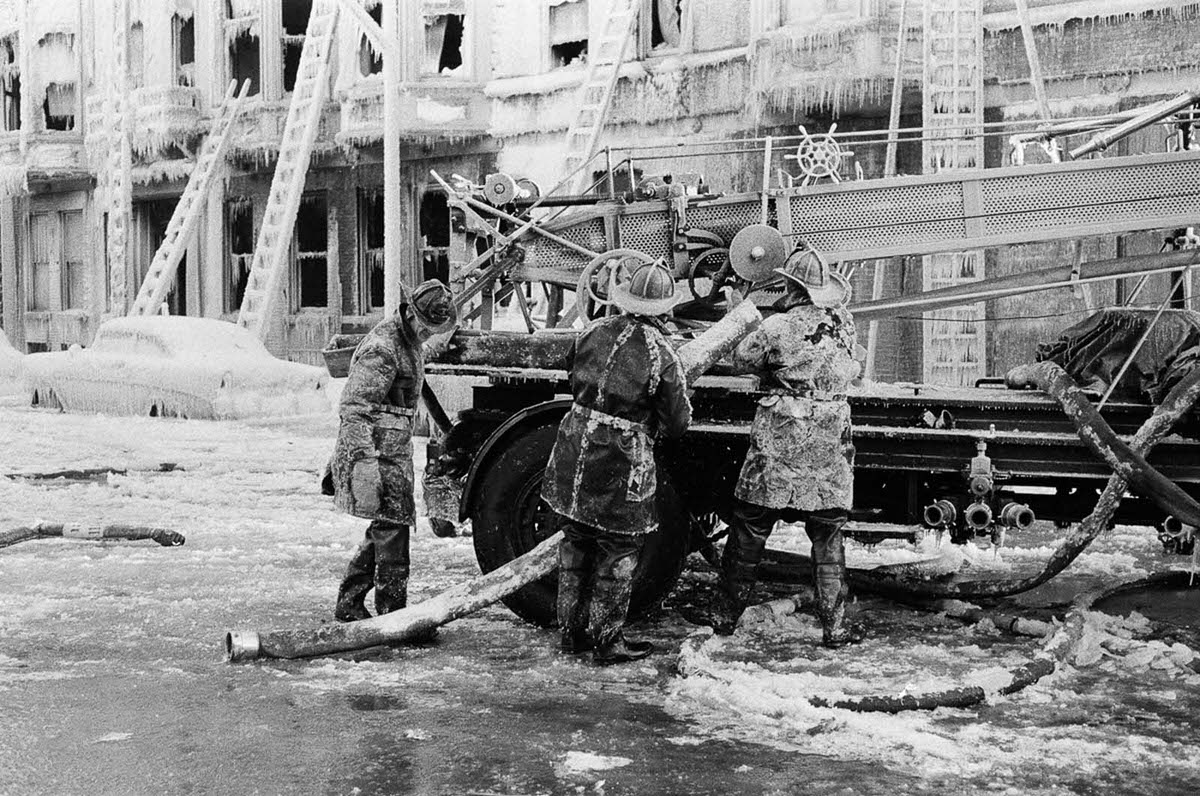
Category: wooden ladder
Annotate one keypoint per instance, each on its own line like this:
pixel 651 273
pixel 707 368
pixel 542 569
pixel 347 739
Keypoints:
pixel 595 95
pixel 187 213
pixel 954 339
pixel 295 151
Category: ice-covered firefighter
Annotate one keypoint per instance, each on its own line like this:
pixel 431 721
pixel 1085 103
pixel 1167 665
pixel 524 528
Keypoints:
pixel 373 459
pixel 628 387
pixel 800 464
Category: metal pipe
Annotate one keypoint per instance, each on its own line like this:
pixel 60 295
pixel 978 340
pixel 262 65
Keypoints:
pixel 1017 515
pixel 940 514
pixel 978 516
pixel 1031 282
pixel 1154 113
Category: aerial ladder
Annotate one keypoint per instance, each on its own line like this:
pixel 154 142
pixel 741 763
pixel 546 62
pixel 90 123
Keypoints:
pixel 270 262
pixel 188 210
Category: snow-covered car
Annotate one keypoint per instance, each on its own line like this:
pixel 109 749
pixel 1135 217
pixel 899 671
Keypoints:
pixel 10 367
pixel 174 366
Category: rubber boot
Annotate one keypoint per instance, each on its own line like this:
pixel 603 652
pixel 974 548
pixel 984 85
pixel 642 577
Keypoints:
pixel 573 577
pixel 829 579
pixel 359 578
pixel 617 558
pixel 391 565
pixel 748 534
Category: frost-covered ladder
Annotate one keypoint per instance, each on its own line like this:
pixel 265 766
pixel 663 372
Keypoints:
pixel 190 207
pixel 604 58
pixel 299 131
pixel 953 139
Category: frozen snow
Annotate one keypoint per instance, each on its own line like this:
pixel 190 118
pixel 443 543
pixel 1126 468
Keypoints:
pixel 583 762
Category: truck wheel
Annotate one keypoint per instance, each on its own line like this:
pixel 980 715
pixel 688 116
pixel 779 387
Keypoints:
pixel 510 518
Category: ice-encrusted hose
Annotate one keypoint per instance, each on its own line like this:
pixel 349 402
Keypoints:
pixel 50 530
pixel 1180 400
pixel 1061 646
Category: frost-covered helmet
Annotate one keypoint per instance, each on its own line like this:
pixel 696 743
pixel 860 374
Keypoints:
pixel 432 302
pixel 808 269
pixel 649 291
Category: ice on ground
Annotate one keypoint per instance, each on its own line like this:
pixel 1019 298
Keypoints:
pixel 584 762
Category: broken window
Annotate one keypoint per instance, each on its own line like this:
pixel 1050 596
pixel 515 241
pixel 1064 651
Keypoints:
pixel 295 23
pixel 239 239
pixel 568 32
pixel 241 36
pixel 10 82
pixel 184 39
pixel 310 239
pixel 661 25
pixel 443 44
pixel 54 59
pixel 148 229
pixel 435 236
pixel 369 61
pixel 370 250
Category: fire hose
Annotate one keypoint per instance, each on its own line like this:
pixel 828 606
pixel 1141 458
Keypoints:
pixel 1130 463
pixel 49 530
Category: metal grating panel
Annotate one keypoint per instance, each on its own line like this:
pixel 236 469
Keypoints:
pixel 1047 201
pixel 646 232
pixel 870 218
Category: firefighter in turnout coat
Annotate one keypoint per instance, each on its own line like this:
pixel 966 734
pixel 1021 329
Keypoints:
pixel 628 386
pixel 800 464
pixel 372 465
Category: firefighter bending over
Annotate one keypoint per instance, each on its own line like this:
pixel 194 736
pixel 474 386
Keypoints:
pixel 373 459
pixel 628 386
pixel 800 464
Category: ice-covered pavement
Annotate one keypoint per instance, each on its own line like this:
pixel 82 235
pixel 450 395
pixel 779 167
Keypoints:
pixel 111 677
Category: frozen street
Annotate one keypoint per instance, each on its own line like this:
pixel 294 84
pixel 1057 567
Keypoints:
pixel 112 678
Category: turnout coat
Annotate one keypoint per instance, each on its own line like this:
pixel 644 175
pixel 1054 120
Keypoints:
pixel 801 455
pixel 376 411
pixel 628 386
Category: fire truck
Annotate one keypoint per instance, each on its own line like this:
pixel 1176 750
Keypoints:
pixel 979 460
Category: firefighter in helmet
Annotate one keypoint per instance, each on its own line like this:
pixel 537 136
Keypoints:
pixel 800 464
pixel 372 467
pixel 628 386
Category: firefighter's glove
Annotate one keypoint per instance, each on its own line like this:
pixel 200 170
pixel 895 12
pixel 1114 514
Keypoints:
pixel 438 345
pixel 366 485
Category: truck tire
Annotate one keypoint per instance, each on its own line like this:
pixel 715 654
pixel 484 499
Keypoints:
pixel 509 519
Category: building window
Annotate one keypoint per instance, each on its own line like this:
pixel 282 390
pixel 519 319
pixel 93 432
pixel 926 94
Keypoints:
pixel 568 32
pixel 136 65
pixel 370 250
pixel 370 62
pixel 74 275
pixel 660 25
pixel 241 34
pixel 443 44
pixel 310 242
pixel 58 277
pixel 184 39
pixel 148 229
pixel 295 24
pixel 43 243
pixel 434 224
pixel 239 239
pixel 60 102
pixel 10 82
